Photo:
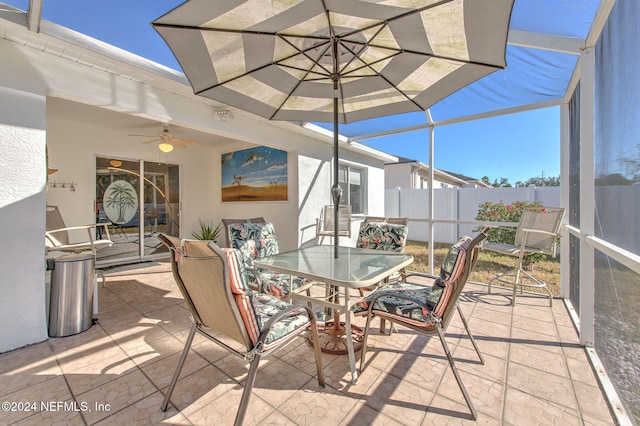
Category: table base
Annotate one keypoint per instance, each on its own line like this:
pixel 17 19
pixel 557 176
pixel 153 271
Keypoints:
pixel 333 338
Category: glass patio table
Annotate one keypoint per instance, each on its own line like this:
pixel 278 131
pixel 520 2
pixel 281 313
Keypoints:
pixel 354 268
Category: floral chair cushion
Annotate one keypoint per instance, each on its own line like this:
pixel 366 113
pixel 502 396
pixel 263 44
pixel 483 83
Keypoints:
pixel 256 309
pixel 435 297
pixel 257 240
pixel 250 231
pixel 276 283
pixel 254 240
pixel 268 306
pixel 382 236
pixel 390 305
pixel 255 249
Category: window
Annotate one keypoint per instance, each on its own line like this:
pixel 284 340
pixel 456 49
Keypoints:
pixel 353 180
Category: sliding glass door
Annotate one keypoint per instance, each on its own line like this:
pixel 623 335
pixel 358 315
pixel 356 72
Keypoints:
pixel 139 199
pixel 161 204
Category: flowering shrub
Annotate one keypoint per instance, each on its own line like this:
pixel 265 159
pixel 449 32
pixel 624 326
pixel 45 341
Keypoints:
pixel 499 212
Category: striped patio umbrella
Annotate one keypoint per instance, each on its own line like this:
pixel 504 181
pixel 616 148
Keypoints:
pixel 335 60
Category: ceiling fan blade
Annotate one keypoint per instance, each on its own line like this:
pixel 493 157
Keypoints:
pixel 165 136
pixel 145 136
pixel 183 141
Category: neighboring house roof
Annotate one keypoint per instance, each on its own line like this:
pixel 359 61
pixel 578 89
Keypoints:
pixel 443 175
pixel 472 180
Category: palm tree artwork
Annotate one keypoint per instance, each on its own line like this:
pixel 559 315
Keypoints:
pixel 121 198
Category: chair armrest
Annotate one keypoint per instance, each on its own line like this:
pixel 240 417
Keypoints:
pixel 75 228
pixel 284 314
pixel 505 227
pixel 539 231
pixel 420 274
pixel 528 231
pixel 256 275
pixel 89 228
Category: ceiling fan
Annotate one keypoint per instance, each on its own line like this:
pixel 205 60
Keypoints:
pixel 167 141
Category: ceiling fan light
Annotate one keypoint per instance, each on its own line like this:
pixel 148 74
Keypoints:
pixel 165 147
pixel 115 163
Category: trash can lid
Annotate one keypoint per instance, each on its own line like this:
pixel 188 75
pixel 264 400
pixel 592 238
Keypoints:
pixel 74 257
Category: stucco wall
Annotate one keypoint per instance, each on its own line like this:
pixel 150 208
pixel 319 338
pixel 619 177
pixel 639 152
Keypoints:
pixel 22 189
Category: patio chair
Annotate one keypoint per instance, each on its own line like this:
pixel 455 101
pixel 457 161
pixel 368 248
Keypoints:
pixel 213 284
pixel 389 234
pixel 325 223
pixel 537 232
pixel 57 236
pixel 383 235
pixel 378 233
pixel 227 222
pixel 256 240
pixel 424 308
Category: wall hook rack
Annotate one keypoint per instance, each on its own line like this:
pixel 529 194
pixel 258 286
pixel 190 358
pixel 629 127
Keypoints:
pixel 71 186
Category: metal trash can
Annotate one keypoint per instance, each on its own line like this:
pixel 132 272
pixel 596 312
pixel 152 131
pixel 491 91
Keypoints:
pixel 71 301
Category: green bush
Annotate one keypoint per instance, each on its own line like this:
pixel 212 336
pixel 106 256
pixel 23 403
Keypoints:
pixel 499 212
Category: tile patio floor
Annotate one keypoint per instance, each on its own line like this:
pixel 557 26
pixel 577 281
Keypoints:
pixel 535 371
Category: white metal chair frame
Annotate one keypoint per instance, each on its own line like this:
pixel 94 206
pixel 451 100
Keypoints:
pixel 325 226
pixel 57 235
pixel 537 232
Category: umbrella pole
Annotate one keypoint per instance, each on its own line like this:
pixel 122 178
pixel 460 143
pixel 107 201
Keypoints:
pixel 336 191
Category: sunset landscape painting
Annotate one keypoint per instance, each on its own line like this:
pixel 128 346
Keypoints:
pixel 255 174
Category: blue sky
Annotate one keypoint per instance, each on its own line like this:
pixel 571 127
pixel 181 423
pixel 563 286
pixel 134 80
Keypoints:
pixel 516 147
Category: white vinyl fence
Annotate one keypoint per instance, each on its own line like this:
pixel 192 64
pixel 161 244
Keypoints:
pixel 456 204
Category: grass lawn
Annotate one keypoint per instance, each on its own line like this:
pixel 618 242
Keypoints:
pixel 489 264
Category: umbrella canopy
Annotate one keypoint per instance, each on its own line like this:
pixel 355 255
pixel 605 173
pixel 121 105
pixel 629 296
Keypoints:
pixel 335 60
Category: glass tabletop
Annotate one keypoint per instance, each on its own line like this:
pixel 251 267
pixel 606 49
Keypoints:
pixel 353 268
